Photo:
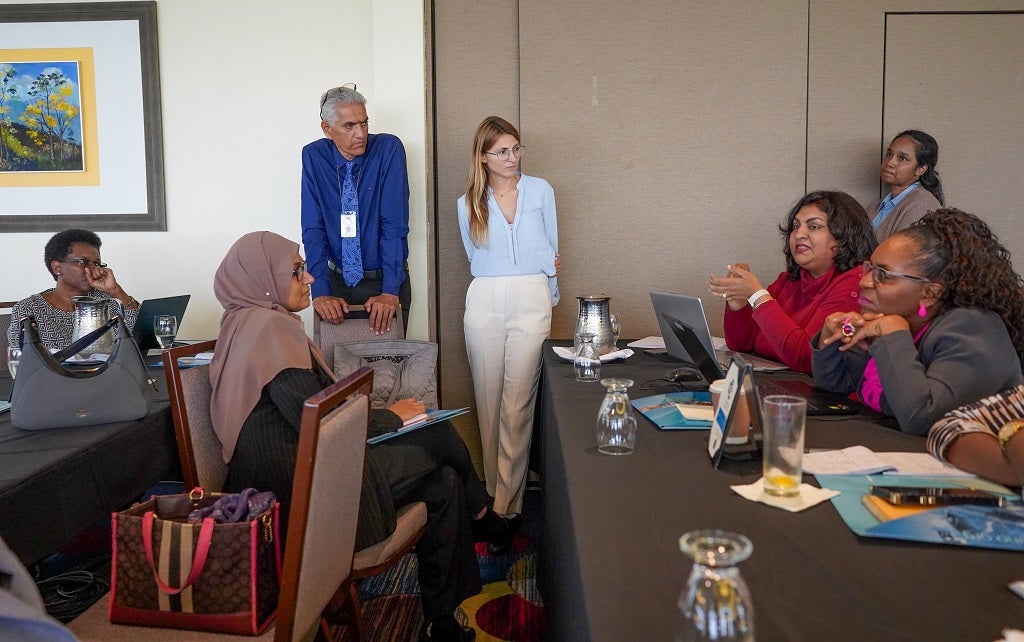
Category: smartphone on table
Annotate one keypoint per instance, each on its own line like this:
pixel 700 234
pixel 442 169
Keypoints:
pixel 934 496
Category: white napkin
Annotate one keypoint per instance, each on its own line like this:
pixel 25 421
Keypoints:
pixel 569 355
pixel 808 496
pixel 1012 635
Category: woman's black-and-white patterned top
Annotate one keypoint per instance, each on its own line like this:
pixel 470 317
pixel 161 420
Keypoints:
pixel 987 415
pixel 55 325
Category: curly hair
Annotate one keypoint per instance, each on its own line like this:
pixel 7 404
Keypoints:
pixel 960 251
pixel 59 245
pixel 847 222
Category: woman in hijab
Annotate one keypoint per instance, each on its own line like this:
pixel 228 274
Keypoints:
pixel 263 370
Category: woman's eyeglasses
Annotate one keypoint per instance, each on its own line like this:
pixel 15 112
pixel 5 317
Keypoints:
pixel 505 152
pixel 880 275
pixel 85 263
pixel 299 271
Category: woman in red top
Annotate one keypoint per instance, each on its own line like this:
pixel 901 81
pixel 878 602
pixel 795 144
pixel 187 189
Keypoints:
pixel 828 235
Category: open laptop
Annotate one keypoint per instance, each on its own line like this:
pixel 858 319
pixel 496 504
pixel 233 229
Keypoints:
pixel 819 402
pixel 690 311
pixel 143 330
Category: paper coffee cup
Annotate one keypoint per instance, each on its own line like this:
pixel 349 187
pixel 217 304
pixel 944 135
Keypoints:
pixel 738 429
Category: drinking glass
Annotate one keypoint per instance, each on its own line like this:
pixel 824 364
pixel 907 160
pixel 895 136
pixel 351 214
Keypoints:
pixel 587 364
pixel 13 359
pixel 784 418
pixel 616 422
pixel 715 604
pixel 165 327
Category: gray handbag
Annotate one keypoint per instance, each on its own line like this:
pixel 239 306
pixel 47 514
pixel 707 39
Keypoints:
pixel 401 369
pixel 48 394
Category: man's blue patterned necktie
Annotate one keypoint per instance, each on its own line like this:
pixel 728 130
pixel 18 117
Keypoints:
pixel 351 254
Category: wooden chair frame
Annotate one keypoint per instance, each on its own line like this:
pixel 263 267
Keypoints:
pixel 314 410
pixel 179 413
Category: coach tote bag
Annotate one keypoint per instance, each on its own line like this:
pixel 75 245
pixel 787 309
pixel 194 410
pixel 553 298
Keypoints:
pixel 49 394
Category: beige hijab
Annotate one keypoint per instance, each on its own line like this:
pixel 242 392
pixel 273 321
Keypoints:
pixel 258 337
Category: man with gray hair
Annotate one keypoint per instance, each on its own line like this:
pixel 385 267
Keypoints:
pixel 355 214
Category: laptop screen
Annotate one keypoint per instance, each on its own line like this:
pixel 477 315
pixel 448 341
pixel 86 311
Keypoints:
pixel 693 349
pixel 690 311
pixel 143 330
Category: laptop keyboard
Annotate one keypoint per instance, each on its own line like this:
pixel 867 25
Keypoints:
pixel 759 364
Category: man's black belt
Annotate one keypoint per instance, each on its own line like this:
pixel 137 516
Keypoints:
pixel 367 274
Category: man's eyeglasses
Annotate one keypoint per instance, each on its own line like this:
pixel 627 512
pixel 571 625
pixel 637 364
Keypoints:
pixel 85 263
pixel 505 152
pixel 333 91
pixel 299 271
pixel 879 275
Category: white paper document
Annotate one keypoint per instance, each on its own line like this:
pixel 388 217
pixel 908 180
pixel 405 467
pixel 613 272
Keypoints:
pixel 648 343
pixel 859 460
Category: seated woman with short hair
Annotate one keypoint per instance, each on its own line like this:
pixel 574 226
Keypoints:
pixel 942 323
pixel 73 260
pixel 827 236
pixel 263 370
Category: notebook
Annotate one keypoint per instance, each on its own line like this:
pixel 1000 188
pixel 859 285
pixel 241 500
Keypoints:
pixel 690 311
pixel 143 330
pixel 819 402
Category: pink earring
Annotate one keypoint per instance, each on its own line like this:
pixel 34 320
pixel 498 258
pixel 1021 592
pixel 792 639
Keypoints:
pixel 922 311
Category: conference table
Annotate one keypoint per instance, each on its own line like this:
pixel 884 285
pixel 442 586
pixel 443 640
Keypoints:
pixel 55 484
pixel 610 568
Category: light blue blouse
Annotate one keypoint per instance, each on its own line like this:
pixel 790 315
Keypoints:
pixel 527 245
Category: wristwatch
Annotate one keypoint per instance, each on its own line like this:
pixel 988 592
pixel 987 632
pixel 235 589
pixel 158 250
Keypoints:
pixel 1009 430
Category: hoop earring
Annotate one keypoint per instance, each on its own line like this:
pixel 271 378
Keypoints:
pixel 922 311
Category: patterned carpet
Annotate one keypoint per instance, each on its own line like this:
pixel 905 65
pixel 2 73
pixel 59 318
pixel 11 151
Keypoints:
pixel 509 609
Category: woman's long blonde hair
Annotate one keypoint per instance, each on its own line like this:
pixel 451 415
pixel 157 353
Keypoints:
pixel 476 183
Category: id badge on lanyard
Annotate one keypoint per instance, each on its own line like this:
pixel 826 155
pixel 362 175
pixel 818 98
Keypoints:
pixel 348 225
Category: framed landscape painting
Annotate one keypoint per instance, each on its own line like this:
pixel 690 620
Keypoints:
pixel 81 142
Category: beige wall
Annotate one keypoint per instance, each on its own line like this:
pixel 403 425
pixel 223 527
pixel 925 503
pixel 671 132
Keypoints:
pixel 240 84
pixel 678 134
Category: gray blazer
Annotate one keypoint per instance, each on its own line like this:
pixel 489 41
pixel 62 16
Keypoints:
pixel 965 354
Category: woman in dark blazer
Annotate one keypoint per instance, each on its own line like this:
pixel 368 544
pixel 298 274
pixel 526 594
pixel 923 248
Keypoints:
pixel 263 370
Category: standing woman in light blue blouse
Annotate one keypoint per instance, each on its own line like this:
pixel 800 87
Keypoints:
pixel 508 226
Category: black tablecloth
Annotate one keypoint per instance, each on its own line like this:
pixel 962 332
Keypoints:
pixel 54 484
pixel 610 566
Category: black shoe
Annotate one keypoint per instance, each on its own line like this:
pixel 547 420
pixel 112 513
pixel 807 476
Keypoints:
pixel 499 545
pixel 496 529
pixel 446 629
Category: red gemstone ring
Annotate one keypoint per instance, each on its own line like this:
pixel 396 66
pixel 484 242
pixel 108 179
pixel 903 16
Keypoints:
pixel 848 329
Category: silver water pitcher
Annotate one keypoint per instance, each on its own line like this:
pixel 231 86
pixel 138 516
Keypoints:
pixel 595 319
pixel 91 313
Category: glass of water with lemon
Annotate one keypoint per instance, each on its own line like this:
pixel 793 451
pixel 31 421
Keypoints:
pixel 784 422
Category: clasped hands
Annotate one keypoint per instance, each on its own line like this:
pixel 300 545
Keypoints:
pixel 857 328
pixel 382 309
pixel 736 287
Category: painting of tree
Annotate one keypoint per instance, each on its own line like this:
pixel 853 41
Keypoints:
pixel 40 117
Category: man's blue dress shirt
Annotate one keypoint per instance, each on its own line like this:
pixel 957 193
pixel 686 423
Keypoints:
pixel 382 182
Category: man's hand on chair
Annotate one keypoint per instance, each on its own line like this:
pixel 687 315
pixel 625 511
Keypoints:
pixel 382 311
pixel 331 309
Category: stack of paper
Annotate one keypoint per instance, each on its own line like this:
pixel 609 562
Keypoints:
pixel 859 460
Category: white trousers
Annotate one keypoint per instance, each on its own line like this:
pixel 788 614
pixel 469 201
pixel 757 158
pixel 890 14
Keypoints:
pixel 507 319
